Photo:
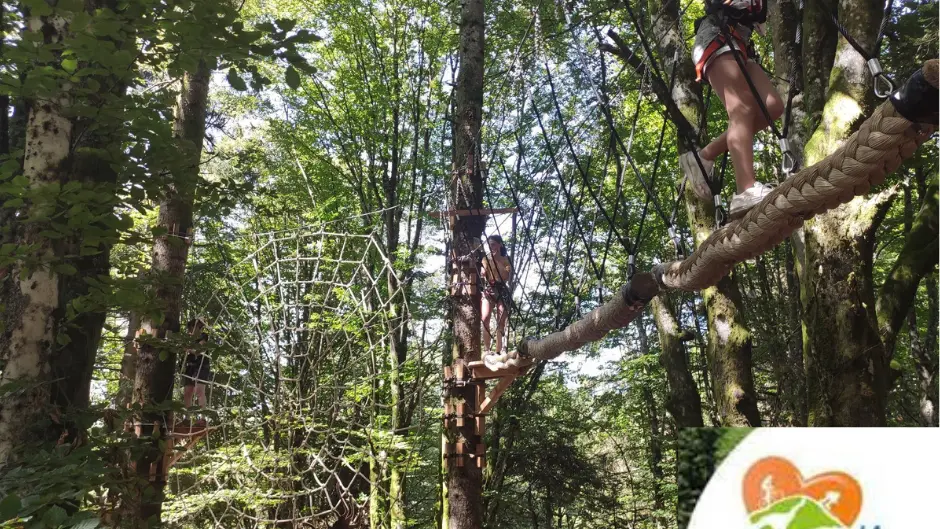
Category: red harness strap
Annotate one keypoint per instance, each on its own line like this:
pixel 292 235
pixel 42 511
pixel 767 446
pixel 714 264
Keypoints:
pixel 739 43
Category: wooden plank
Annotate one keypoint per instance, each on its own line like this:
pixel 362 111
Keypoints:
pixel 460 454
pixel 471 212
pixel 480 371
pixel 448 373
pixel 501 388
pixel 481 425
pixel 459 369
pixel 190 443
pixel 461 410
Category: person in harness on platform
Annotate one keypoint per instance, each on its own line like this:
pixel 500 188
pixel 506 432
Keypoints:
pixel 715 63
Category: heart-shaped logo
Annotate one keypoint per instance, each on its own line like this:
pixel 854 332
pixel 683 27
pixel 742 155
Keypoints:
pixel 775 479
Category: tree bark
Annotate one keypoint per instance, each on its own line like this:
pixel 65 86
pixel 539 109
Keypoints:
pixel 683 401
pixel 465 483
pixel 926 358
pixel 56 314
pixel 34 294
pixel 128 361
pixel 156 362
pixel 918 258
pixel 655 445
pixel 845 357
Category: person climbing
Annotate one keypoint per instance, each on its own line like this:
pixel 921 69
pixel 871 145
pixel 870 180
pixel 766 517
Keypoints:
pixel 197 368
pixel 716 64
pixel 497 270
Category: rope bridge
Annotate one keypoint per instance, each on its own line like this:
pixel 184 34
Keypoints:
pixel 888 137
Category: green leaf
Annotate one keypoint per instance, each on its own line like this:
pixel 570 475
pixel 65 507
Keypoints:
pixel 38 8
pixel 54 516
pixel 267 27
pixel 13 203
pixel 286 24
pixel 73 6
pixel 9 507
pixel 70 65
pixel 292 77
pixel 63 339
pixel 88 523
pixel 79 21
pixel 65 269
pixel 235 80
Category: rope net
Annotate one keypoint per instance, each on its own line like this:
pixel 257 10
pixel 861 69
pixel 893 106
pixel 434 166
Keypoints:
pixel 300 402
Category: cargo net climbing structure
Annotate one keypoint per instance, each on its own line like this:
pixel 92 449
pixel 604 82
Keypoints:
pixel 299 408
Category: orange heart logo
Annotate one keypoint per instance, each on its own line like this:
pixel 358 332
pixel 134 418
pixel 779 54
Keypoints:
pixel 773 479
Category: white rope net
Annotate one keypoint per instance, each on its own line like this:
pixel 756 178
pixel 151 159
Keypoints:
pixel 299 404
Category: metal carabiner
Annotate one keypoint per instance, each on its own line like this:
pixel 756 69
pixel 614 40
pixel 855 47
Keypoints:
pixel 882 85
pixel 631 266
pixel 719 213
pixel 788 160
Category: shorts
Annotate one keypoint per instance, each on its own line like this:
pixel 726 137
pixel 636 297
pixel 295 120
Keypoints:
pixel 498 293
pixel 710 43
pixel 197 370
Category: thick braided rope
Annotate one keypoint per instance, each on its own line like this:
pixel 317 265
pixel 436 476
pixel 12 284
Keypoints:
pixel 615 314
pixel 884 140
pixel 503 360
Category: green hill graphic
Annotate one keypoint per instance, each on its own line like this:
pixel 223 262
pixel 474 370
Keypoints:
pixel 798 512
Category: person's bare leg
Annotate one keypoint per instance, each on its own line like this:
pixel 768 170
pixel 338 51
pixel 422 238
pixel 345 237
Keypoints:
pixel 500 325
pixel 729 84
pixel 772 100
pixel 201 395
pixel 188 395
pixel 486 309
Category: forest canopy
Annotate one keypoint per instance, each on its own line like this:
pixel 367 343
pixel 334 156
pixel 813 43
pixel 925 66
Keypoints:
pixel 257 185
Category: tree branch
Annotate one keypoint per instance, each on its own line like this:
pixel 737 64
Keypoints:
pixel 917 258
pixel 620 49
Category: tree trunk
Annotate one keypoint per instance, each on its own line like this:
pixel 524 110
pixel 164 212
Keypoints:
pixel 465 483
pixel 845 358
pixel 926 358
pixel 918 258
pixel 157 361
pixel 729 344
pixel 655 445
pixel 34 294
pixel 683 402
pixel 128 361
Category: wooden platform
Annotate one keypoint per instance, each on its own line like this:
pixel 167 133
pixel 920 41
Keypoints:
pixel 186 435
pixel 471 212
pixel 480 371
pixel 188 430
pixel 505 376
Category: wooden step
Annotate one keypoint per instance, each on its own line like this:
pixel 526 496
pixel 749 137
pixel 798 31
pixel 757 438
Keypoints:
pixel 480 371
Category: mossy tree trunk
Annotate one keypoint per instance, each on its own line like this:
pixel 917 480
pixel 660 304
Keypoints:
pixel 683 401
pixel 729 340
pixel 850 332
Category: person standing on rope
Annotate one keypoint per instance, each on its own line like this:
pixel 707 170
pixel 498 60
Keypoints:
pixel 497 270
pixel 197 368
pixel 716 63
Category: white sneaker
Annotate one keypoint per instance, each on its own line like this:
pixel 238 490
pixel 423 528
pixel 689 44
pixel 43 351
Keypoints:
pixel 693 172
pixel 741 204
